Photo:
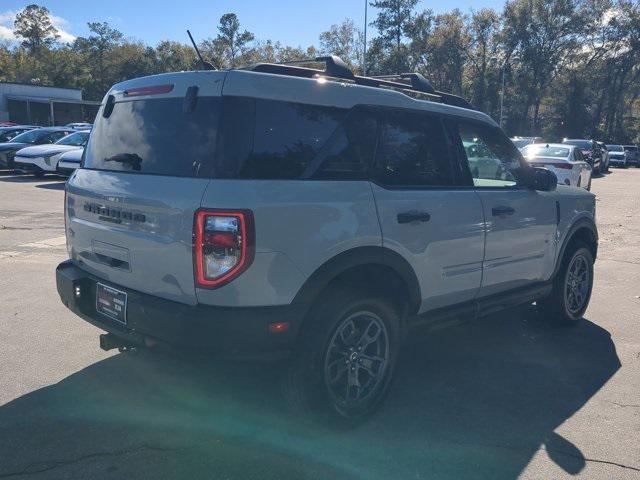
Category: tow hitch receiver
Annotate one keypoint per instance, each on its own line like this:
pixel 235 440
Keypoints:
pixel 109 341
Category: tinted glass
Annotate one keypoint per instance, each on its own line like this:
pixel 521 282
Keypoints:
pixel 579 143
pixel 545 151
pixel 349 152
pixel 6 135
pixel 631 149
pixel 286 138
pixel 615 148
pixel 412 151
pixel 493 159
pixel 53 137
pixel 155 137
pixel 78 139
pixel 31 136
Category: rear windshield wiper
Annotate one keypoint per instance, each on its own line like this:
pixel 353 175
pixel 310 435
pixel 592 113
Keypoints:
pixel 132 159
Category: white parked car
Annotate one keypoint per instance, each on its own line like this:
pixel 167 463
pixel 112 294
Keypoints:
pixel 566 161
pixel 69 161
pixel 617 156
pixel 41 159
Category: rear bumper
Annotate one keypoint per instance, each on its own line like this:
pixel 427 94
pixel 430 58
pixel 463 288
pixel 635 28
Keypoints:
pixel 230 331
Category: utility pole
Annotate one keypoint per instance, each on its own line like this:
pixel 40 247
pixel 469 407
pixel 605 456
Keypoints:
pixel 504 69
pixel 364 55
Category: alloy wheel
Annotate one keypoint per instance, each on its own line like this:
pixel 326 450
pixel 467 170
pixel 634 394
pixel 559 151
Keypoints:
pixel 577 285
pixel 356 359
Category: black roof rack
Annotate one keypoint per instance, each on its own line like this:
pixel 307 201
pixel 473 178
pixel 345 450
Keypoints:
pixel 335 67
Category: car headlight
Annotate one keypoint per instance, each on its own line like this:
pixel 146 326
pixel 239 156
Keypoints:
pixel 52 158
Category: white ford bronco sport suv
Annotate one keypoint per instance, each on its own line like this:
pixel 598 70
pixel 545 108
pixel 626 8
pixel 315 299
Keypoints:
pixel 310 212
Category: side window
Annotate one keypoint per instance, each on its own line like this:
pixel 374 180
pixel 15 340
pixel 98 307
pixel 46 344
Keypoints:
pixel 493 160
pixel 55 136
pixel 287 136
pixel 412 151
pixel 348 153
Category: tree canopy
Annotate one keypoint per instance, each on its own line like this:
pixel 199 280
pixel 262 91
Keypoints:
pixel 570 68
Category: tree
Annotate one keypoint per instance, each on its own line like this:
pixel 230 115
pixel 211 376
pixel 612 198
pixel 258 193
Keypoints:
pixel 483 54
pixel 96 48
pixel 231 41
pixel 447 49
pixel 544 34
pixel 345 41
pixel 393 22
pixel 394 16
pixel 33 25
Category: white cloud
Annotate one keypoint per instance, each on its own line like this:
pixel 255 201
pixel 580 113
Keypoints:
pixel 6 33
pixel 6 27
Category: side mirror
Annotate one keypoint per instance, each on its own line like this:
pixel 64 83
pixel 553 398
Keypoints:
pixel 542 180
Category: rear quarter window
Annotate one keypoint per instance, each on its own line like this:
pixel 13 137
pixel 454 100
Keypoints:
pixel 275 140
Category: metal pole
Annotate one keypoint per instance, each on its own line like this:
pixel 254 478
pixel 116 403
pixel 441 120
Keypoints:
pixel 504 69
pixel 364 55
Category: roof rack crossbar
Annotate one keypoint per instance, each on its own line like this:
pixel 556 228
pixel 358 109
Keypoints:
pixel 335 67
pixel 418 82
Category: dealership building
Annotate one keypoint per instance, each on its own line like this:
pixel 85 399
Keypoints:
pixel 46 106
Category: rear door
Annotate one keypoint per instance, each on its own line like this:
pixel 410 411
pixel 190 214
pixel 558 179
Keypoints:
pixel 130 209
pixel 520 222
pixel 424 215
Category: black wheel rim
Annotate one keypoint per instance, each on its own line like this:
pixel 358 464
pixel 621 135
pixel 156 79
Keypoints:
pixel 356 359
pixel 577 284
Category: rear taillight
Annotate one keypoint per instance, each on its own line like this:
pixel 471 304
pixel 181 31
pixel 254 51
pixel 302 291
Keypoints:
pixel 224 245
pixel 564 166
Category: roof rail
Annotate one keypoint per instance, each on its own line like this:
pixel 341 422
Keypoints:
pixel 335 67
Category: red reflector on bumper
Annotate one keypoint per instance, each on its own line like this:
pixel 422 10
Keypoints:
pixel 278 327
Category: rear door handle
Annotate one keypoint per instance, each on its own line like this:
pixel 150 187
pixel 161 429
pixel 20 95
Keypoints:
pixel 502 211
pixel 413 216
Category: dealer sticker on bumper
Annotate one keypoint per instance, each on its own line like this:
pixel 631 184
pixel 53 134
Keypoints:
pixel 111 302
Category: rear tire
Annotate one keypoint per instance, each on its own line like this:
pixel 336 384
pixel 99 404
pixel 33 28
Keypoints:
pixel 346 358
pixel 572 287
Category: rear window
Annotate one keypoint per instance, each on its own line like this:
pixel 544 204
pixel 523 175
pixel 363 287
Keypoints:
pixel 545 151
pixel 155 137
pixel 631 149
pixel 579 143
pixel 615 148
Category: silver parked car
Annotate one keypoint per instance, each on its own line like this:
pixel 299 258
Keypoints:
pixel 617 156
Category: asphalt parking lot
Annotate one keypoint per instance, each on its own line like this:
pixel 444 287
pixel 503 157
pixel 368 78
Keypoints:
pixel 507 397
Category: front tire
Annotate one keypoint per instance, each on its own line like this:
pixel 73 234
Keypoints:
pixel 571 288
pixel 346 359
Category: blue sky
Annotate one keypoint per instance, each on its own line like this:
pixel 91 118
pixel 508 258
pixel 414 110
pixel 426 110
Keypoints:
pixel 290 22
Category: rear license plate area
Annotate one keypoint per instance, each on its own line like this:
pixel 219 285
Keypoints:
pixel 111 302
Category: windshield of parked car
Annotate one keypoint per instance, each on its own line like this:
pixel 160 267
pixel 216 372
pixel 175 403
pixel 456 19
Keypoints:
pixel 6 135
pixel 615 148
pixel 579 143
pixel 631 148
pixel 531 151
pixel 78 139
pixel 32 136
pixel 521 142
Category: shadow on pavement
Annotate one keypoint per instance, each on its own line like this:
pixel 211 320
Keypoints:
pixel 475 401
pixel 52 186
pixel 31 179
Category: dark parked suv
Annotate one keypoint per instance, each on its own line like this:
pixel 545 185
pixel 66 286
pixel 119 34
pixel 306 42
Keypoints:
pixel 590 150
